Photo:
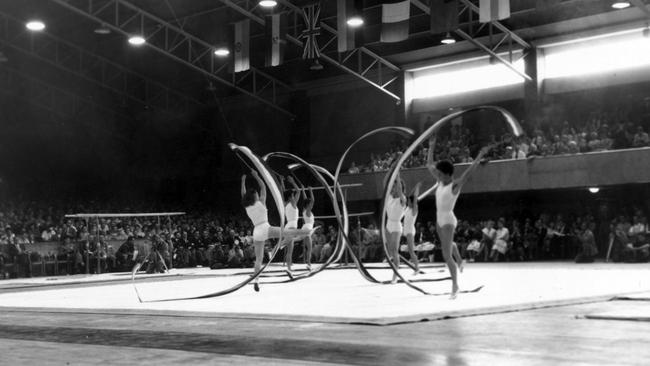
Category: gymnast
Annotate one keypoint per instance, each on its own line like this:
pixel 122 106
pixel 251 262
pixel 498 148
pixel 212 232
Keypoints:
pixel 395 207
pixel 447 189
pixel 410 216
pixel 292 197
pixel 255 204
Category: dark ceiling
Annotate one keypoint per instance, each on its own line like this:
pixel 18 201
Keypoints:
pixel 211 21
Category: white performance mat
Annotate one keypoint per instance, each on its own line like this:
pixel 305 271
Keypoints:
pixel 343 296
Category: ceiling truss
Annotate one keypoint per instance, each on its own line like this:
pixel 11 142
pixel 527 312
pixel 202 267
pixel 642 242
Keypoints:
pixel 98 70
pixel 360 62
pixel 505 37
pixel 179 45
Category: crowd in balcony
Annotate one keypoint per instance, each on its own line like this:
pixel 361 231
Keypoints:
pixel 596 134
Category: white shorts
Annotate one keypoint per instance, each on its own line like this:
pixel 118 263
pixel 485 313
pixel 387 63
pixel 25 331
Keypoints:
pixel 261 232
pixel 409 230
pixel 291 224
pixel 446 218
pixel 394 226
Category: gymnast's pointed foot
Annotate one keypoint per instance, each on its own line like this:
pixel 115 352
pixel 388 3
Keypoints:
pixel 256 286
pixel 454 292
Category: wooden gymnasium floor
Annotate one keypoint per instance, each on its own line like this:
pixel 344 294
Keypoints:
pixel 556 313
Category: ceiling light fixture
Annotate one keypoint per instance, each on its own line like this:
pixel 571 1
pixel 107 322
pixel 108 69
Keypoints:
pixel 594 189
pixel 103 29
pixel 448 39
pixel 35 25
pixel 620 4
pixel 268 3
pixel 355 21
pixel 137 40
pixel 222 52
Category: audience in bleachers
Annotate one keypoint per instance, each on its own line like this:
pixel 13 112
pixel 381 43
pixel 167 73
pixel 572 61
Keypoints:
pixel 595 134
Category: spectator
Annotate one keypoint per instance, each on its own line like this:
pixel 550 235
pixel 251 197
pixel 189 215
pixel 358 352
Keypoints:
pixel 501 238
pixel 588 249
pixel 641 138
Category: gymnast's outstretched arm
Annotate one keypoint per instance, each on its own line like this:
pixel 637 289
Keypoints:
pixel 431 165
pixel 463 178
pixel 260 182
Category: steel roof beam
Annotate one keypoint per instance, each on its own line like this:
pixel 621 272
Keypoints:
pixel 364 58
pixel 92 67
pixel 490 51
pixel 177 44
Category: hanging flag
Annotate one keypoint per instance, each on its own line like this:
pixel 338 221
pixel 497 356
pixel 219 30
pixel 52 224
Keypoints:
pixel 311 14
pixel 276 38
pixel 444 16
pixel 395 21
pixel 491 10
pixel 242 45
pixel 344 10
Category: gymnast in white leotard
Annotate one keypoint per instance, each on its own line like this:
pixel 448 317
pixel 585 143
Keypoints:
pixel 255 205
pixel 410 216
pixel 447 189
pixel 395 207
pixel 291 214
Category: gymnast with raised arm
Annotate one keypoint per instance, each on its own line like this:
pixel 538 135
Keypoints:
pixel 395 207
pixel 447 189
pixel 410 216
pixel 255 204
pixel 292 196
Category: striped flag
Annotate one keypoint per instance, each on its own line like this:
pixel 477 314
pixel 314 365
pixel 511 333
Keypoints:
pixel 276 38
pixel 395 21
pixel 345 9
pixel 491 10
pixel 242 45
pixel 310 15
pixel 444 16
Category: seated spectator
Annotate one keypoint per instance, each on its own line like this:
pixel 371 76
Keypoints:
pixel 637 251
pixel 219 258
pixel 641 138
pixel 488 238
pixel 17 250
pixel 369 244
pixel 326 252
pixel 48 234
pixel 530 241
pixel 588 248
pixel 125 257
pixel 318 242
pixel 516 242
pixel 235 256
